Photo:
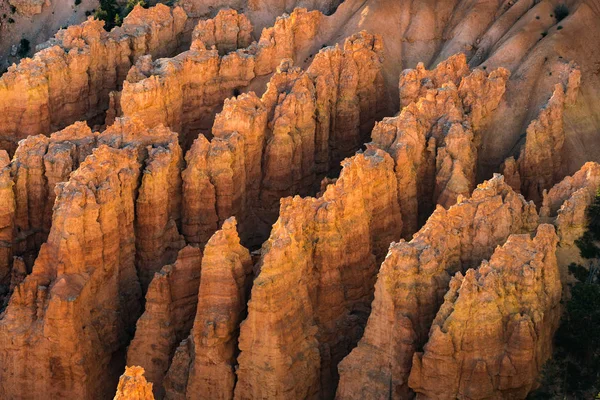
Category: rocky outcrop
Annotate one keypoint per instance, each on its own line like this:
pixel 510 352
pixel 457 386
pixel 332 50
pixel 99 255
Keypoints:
pixel 7 221
pixel 494 331
pixel 133 385
pixel 41 162
pixel 71 77
pixel 185 91
pixel 29 8
pixel 83 295
pixel 413 279
pixel 283 143
pixel 540 161
pixel 227 32
pixel 434 140
pixel 171 303
pixel 208 367
pixel 312 296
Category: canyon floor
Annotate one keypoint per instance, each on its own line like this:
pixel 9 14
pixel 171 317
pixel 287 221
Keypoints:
pixel 308 199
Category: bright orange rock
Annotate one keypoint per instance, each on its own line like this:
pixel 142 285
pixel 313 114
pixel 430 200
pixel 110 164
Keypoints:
pixel 171 303
pixel 313 293
pixel 7 218
pixel 133 385
pixel 70 78
pixel 413 279
pixel 494 331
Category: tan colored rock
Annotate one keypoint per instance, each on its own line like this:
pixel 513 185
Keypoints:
pixel 228 31
pixel 413 279
pixel 171 303
pixel 312 296
pixel 133 385
pixel 29 8
pixel 494 332
pixel 83 295
pixel 70 78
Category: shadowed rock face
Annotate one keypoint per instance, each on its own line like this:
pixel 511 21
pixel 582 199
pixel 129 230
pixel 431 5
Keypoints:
pixel 494 331
pixel 317 270
pixel 119 246
pixel 413 279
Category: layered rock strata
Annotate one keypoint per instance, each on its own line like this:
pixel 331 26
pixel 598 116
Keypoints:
pixel 41 162
pixel 29 8
pixel 284 142
pixel 208 368
pixel 539 165
pixel 185 91
pixel 435 138
pixel 83 295
pixel 494 332
pixel 413 279
pixel 227 32
pixel 169 312
pixel 312 296
pixel 133 385
pixel 70 78
pixel 7 221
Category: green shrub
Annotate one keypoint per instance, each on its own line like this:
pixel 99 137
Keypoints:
pixel 561 11
pixel 24 48
pixel 77 2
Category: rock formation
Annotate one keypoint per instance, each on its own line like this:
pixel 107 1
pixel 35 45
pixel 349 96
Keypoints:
pixel 228 31
pixel 7 216
pixel 283 143
pixel 209 367
pixel 540 162
pixel 185 91
pixel 29 8
pixel 171 303
pixel 413 279
pixel 83 295
pixel 494 331
pixel 41 162
pixel 133 385
pixel 70 78
pixel 312 296
pixel 434 139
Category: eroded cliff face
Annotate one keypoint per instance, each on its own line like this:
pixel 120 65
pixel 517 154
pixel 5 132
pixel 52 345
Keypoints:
pixel 133 385
pixel 169 312
pixel 413 279
pixel 70 78
pixel 41 162
pixel 313 293
pixel 7 222
pixel 83 295
pixel 283 143
pixel 494 331
pixel 184 92
pixel 29 8
pixel 208 369
pixel 435 138
pixel 540 162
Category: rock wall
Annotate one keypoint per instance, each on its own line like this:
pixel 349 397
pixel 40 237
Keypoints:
pixel 312 296
pixel 209 370
pixel 83 294
pixel 7 221
pixel 413 279
pixel 283 143
pixel 494 332
pixel 70 78
pixel 540 162
pixel 435 138
pixel 169 312
pixel 185 91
